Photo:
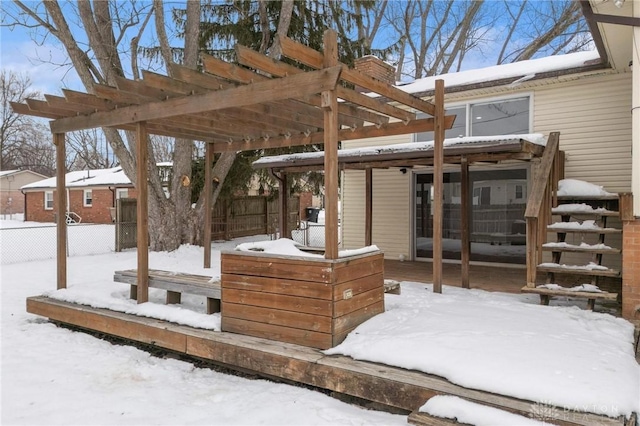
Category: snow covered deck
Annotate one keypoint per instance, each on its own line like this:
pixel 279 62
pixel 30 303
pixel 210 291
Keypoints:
pixel 405 389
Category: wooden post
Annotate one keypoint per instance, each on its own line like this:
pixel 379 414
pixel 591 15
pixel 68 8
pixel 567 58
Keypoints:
pixel 330 106
pixel 61 210
pixel 465 221
pixel 208 196
pixel 625 206
pixel 438 159
pixel 532 250
pixel 368 206
pixel 142 213
pixel 283 195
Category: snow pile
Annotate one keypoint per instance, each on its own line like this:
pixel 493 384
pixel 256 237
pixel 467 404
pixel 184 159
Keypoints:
pixel 467 412
pixel 580 188
pixel 583 246
pixel 568 357
pixel 588 288
pixel 590 267
pixel 571 208
pixel 288 247
pixel 586 225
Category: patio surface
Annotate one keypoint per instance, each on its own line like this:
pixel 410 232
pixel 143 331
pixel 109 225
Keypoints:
pixel 489 278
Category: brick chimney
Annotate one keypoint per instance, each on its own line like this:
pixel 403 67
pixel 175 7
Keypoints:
pixel 376 68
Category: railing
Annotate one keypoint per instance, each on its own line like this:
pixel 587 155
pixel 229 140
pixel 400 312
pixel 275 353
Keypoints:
pixel 541 199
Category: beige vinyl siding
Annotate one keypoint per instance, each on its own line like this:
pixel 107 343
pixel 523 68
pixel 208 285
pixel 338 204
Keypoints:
pixel 391 204
pixel 593 118
pixel 592 114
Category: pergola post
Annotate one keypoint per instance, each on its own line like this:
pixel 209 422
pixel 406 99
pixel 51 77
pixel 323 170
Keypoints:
pixel 283 195
pixel 438 159
pixel 465 221
pixel 61 210
pixel 368 206
pixel 208 198
pixel 330 106
pixel 142 213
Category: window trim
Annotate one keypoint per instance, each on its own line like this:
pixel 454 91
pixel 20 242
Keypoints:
pixel 46 201
pixel 120 191
pixel 84 197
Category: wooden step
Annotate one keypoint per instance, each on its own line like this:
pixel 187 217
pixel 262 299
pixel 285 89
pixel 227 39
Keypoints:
pixel 583 213
pixel 596 231
pixel 570 293
pixel 579 249
pixel 562 269
pixel 588 198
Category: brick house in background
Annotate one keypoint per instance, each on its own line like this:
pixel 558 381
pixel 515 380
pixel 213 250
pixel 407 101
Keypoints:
pixel 11 199
pixel 91 194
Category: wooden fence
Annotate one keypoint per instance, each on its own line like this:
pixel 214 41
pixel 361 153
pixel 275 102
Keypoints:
pixel 250 215
pixel 240 217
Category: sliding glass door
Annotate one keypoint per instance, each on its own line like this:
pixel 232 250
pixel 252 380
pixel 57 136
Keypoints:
pixel 497 200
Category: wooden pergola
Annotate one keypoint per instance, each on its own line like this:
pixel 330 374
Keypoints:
pixel 258 103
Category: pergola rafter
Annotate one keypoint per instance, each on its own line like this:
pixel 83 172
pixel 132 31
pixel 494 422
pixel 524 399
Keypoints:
pixel 259 104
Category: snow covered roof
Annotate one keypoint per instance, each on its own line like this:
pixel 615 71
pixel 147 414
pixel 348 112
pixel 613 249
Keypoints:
pixel 7 172
pixel 85 178
pixel 404 150
pixel 519 71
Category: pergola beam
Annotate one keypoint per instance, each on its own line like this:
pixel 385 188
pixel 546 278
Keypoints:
pixel 307 56
pixel 397 128
pixel 300 85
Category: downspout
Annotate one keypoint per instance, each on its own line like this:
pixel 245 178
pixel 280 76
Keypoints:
pixel 635 114
pixel 24 194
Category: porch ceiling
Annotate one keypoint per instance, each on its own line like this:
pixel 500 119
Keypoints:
pixel 256 104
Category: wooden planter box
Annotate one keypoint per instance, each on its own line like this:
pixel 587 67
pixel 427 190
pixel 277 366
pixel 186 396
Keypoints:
pixel 307 301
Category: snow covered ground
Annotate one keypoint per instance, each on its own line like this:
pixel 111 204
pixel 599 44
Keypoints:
pixel 502 343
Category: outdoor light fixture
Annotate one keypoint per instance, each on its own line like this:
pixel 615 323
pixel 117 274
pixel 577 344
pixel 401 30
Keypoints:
pixel 618 3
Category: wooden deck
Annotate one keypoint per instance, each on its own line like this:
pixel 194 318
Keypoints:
pixel 490 278
pixel 391 386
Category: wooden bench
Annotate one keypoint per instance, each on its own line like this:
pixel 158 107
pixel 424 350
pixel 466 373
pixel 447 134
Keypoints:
pixel 546 293
pixel 175 283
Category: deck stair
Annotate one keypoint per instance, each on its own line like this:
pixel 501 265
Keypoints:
pixel 587 219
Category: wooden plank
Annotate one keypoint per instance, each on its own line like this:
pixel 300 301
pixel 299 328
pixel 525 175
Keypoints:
pixel 582 213
pixel 359 301
pixel 277 301
pixel 537 195
pixel 297 85
pixel 357 286
pixel 365 132
pixel 149 331
pixel 61 210
pixel 142 213
pixel 626 206
pixel 319 323
pixel 208 203
pixel 312 58
pixel 212 291
pixel 283 211
pixel 423 419
pixel 348 270
pixel 568 230
pixel 579 249
pixel 351 320
pixel 570 293
pixel 277 285
pixel 275 268
pixel 588 272
pixel 438 186
pixel 276 332
pixel 465 221
pixel 368 205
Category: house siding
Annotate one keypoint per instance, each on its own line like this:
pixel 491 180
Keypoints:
pixel 591 114
pixel 11 198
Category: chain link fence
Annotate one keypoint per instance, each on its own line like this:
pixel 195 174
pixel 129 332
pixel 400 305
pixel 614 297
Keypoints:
pixel 311 234
pixel 24 244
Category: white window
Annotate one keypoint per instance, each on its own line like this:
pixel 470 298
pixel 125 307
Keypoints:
pixel 88 198
pixel 122 193
pixel 48 200
pixel 505 116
